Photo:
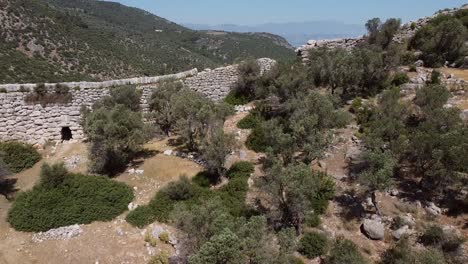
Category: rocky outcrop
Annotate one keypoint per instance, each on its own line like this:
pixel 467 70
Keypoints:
pixel 37 124
pixel 406 32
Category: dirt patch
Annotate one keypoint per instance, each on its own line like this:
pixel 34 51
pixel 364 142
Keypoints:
pixel 459 73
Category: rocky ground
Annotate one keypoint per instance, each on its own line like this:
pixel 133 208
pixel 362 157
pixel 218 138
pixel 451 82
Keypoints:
pixel 350 214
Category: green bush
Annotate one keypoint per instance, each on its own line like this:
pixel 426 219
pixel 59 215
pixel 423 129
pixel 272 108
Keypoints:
pixel 249 122
pixel 19 156
pixel 79 199
pixel 256 140
pixel 400 78
pixel 161 258
pixel 403 253
pixel 179 190
pixel 189 193
pixel 435 236
pixel 233 98
pixel 204 179
pixel 345 251
pixel 141 216
pixel 240 169
pixel 313 244
pixel 312 219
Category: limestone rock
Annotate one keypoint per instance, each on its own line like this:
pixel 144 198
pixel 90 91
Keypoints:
pixel 400 232
pixel 433 209
pixel 373 228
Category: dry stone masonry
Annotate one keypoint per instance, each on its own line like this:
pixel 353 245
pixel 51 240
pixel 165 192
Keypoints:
pixel 36 124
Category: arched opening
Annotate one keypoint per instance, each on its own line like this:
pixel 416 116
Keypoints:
pixel 66 133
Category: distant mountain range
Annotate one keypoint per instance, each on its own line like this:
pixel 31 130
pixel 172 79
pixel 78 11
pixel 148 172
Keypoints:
pixel 297 33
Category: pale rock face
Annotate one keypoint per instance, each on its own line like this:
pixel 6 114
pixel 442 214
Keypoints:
pixel 374 229
pixel 36 124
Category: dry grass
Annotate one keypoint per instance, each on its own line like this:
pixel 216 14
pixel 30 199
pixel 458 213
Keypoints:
pixel 459 73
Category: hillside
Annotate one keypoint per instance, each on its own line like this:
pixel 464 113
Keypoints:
pixel 69 40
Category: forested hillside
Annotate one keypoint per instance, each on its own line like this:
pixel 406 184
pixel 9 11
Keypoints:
pixel 64 40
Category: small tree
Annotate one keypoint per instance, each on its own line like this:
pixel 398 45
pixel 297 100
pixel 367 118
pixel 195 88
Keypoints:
pixel 295 190
pixel 162 107
pixel 249 74
pixel 215 149
pixel 115 135
pixel 379 173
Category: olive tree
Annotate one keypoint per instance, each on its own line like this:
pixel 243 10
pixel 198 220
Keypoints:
pixel 115 136
pixel 215 148
pixel 293 191
pixel 162 108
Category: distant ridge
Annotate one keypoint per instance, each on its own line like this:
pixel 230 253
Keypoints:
pixel 296 33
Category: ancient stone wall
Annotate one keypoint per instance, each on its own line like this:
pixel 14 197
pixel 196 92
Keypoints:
pixel 36 124
pixel 216 84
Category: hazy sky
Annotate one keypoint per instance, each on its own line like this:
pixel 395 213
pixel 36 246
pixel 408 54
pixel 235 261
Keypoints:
pixel 250 12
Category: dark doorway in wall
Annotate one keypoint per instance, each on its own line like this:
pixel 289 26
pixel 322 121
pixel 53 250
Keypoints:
pixel 66 133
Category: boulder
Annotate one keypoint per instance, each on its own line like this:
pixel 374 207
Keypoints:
pixel 419 63
pixel 408 220
pixel 400 232
pixel 373 228
pixel 433 209
pixel 168 152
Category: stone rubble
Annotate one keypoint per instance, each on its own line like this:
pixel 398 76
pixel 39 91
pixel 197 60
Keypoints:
pixel 61 233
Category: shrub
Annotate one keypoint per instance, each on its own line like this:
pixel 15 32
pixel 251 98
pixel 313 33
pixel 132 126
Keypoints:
pixel 400 78
pixel 164 237
pixel 204 179
pixel 235 99
pixel 312 219
pixel 79 199
pixel 412 68
pixel 161 258
pixel 249 122
pixel 61 95
pixel 23 89
pixel 52 176
pixel 240 169
pixel 159 208
pixel 313 244
pixel 179 190
pixel 435 77
pixel 403 252
pixel 3 90
pixel 141 216
pixel 345 251
pixel 256 141
pixel 19 156
pixel 295 260
pixel 435 236
pixel 150 239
